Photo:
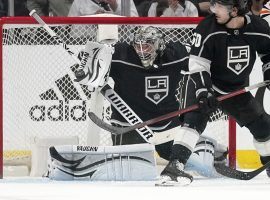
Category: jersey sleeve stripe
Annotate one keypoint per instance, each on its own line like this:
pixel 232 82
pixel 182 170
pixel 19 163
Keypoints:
pixel 197 64
pixel 208 37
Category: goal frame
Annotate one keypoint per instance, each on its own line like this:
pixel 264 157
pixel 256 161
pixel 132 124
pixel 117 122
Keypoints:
pixel 102 20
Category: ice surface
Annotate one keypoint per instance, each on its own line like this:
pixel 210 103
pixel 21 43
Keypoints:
pixel 26 188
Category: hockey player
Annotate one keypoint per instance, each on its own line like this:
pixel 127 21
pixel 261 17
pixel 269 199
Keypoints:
pixel 146 75
pixel 222 57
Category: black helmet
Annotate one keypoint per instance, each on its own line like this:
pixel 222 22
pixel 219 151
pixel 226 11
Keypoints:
pixel 241 5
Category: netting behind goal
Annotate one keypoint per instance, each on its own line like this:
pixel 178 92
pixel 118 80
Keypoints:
pixel 39 96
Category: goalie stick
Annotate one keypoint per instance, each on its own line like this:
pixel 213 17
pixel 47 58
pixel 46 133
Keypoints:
pixel 116 101
pixel 60 42
pixel 132 118
pixel 34 14
pixel 120 130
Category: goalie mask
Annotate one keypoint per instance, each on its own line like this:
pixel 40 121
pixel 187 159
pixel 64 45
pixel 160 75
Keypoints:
pixel 148 43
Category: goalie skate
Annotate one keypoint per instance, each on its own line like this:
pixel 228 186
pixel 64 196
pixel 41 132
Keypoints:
pixel 174 175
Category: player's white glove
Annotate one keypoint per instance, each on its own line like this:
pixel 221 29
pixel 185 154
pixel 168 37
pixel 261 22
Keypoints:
pixel 95 64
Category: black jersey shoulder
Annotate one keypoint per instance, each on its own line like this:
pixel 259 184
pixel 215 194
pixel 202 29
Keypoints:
pixel 123 51
pixel 208 26
pixel 175 51
pixel 257 24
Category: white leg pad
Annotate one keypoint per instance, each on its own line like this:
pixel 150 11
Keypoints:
pixel 187 137
pixel 165 136
pixel 103 163
pixel 262 147
pixel 201 160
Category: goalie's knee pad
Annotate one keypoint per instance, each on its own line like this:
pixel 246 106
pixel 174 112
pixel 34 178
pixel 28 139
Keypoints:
pixel 104 163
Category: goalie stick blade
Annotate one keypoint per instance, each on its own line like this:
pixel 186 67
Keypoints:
pixel 239 175
pixel 113 129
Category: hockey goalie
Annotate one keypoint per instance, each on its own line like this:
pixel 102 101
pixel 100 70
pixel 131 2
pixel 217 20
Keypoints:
pixel 147 77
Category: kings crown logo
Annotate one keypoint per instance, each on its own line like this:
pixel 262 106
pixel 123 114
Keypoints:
pixel 238 58
pixel 157 88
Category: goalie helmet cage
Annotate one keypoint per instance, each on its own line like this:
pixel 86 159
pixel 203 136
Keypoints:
pixel 38 95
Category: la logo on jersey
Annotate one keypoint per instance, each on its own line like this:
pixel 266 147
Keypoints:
pixel 157 88
pixel 238 58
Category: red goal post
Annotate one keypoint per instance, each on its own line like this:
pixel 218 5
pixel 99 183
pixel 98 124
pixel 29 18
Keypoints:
pixel 38 95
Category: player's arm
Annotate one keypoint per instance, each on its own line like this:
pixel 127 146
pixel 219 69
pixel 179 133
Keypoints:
pixel 201 55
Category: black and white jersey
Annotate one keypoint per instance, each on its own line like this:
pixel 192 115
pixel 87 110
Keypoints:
pixel 229 54
pixel 149 92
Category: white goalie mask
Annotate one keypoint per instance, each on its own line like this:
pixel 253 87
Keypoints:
pixel 148 43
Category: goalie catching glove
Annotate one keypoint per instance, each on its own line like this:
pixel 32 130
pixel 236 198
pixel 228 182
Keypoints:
pixel 95 64
pixel 204 93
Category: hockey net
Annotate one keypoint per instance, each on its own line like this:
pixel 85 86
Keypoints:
pixel 40 98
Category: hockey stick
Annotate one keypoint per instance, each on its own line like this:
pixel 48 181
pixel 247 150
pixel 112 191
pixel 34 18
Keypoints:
pixel 119 130
pixel 60 42
pixel 239 175
pixel 116 101
pixel 132 118
pixel 34 14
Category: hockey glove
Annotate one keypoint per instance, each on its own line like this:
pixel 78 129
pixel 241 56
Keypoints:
pixel 204 92
pixel 80 74
pixel 206 100
pixel 266 73
pixel 95 64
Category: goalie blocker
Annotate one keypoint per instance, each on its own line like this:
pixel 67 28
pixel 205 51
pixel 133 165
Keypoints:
pixel 102 163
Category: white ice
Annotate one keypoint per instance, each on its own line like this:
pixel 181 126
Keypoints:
pixel 26 188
